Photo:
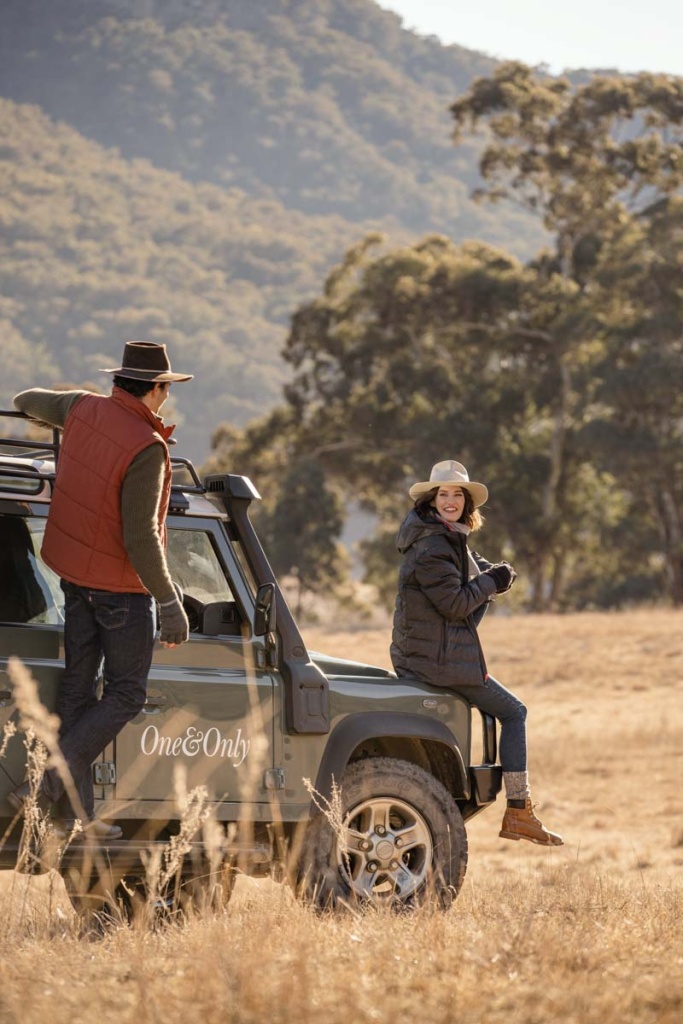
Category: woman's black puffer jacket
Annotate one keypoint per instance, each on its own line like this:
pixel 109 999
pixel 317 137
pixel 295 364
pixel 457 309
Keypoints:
pixel 435 636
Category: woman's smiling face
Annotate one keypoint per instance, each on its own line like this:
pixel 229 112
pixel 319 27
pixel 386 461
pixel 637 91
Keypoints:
pixel 449 502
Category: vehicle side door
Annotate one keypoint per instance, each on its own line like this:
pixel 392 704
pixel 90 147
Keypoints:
pixel 31 626
pixel 211 702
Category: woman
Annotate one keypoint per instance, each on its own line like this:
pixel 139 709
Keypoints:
pixel 443 590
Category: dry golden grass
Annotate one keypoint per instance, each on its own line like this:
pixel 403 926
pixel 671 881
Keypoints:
pixel 590 932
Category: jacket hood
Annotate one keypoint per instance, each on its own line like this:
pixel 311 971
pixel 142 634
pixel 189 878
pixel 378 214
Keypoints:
pixel 414 527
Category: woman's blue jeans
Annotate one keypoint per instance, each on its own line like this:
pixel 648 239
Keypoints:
pixel 494 699
pixel 102 631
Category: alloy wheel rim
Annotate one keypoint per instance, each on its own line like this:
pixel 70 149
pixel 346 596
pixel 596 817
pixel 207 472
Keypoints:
pixel 386 849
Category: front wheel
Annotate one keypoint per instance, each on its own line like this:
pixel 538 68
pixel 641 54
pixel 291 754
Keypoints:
pixel 398 838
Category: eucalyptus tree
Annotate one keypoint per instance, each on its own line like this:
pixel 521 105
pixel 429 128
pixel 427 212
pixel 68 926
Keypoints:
pixel 640 430
pixel 587 160
pixel 438 349
pixel 396 363
pixel 423 353
pixel 398 358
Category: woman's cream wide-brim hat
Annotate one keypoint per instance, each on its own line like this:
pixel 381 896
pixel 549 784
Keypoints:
pixel 450 474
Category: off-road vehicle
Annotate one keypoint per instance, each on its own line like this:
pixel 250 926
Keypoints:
pixel 277 734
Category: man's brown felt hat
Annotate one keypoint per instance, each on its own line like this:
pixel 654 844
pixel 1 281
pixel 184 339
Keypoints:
pixel 145 360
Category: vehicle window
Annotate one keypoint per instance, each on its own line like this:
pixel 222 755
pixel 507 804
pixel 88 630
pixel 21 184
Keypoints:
pixel 29 591
pixel 194 565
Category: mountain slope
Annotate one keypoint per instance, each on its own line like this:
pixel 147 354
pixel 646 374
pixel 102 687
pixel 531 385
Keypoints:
pixel 95 249
pixel 327 104
pixel 254 141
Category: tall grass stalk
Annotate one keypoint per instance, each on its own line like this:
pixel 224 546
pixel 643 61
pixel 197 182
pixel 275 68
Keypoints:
pixel 591 933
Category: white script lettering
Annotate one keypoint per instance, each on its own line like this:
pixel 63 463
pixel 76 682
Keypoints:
pixel 195 741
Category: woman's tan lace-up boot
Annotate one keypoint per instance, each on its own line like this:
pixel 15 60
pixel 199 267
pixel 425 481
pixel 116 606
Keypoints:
pixel 520 822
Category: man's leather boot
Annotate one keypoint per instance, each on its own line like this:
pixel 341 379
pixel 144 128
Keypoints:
pixel 522 823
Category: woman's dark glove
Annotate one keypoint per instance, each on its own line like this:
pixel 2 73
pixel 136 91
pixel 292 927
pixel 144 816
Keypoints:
pixel 503 576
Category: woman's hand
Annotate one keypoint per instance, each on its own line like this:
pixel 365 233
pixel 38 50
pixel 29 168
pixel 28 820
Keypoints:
pixel 503 576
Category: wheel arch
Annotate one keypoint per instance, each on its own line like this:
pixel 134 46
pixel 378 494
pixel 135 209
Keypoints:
pixel 425 742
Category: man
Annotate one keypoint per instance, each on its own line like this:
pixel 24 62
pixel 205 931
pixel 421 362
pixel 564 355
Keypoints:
pixel 106 539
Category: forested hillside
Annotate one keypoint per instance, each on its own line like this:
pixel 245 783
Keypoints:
pixel 254 141
pixel 95 249
pixel 328 104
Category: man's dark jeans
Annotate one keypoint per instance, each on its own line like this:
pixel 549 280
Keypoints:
pixel 119 630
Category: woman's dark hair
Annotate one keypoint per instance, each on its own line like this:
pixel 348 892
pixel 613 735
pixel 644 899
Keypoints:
pixel 136 388
pixel 471 516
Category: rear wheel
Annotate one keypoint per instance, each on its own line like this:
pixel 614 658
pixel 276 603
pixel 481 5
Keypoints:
pixel 398 839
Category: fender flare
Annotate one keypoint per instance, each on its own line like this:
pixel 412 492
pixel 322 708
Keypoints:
pixel 360 726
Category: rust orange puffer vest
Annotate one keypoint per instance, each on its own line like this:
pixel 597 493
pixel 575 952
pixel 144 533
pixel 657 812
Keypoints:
pixel 84 533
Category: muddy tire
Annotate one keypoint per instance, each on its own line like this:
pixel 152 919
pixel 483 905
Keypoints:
pixel 399 839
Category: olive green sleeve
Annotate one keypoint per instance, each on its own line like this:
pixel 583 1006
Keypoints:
pixel 51 407
pixel 140 497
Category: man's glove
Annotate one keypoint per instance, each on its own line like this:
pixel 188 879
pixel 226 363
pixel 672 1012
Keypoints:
pixel 503 576
pixel 175 629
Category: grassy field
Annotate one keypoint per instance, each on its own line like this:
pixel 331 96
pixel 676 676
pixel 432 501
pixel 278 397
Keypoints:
pixel 590 932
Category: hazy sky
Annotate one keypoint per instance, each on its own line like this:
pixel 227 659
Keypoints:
pixel 631 35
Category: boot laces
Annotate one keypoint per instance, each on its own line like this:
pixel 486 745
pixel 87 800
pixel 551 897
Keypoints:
pixel 534 817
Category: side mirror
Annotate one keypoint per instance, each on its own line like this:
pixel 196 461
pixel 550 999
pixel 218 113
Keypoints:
pixel 264 610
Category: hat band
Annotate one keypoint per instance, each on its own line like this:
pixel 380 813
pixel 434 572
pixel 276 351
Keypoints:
pixel 124 371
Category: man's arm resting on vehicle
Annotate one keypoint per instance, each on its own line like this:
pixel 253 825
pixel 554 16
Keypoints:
pixel 51 407
pixel 140 497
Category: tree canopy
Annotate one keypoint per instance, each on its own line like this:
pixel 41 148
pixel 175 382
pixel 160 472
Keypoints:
pixel 96 250
pixel 529 372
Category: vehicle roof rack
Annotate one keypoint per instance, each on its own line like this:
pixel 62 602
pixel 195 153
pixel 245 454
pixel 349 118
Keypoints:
pixel 35 449
pixel 30 447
